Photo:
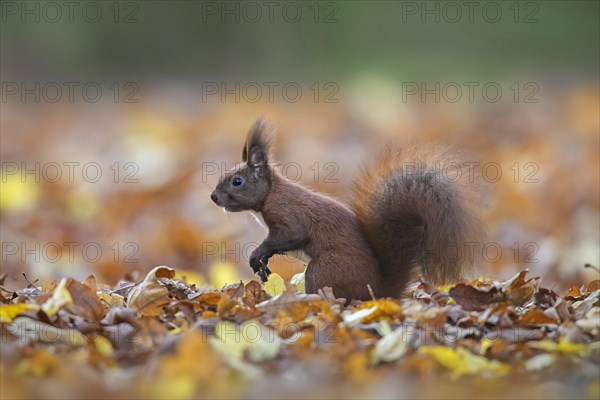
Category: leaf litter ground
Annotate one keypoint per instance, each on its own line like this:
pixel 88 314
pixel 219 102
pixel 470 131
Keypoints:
pixel 166 338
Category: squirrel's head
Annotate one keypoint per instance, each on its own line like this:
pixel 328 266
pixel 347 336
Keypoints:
pixel 246 186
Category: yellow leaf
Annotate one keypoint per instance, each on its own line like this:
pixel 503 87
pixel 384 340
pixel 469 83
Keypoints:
pixel 445 288
pixel 103 345
pixel 40 364
pixel 223 273
pixel 275 285
pixel 298 281
pixel 175 387
pixel 461 362
pixel 192 277
pixel 18 193
pixel 250 339
pixel 60 297
pixel 386 309
pixel 486 343
pixel 9 311
pixel 180 374
pixel 563 346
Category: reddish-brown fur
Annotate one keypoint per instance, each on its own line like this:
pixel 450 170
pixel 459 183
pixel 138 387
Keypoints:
pixel 407 215
pixel 340 255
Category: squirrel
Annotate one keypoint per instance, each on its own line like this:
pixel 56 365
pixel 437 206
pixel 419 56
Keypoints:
pixel 406 216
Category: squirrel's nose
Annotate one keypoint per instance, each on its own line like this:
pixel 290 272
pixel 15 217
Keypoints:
pixel 213 197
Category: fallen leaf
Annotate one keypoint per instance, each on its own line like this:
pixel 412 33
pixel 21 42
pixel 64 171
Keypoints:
pixel 518 290
pixel 574 293
pixel 90 282
pixel 539 362
pixel 461 362
pixel 86 302
pixel 593 285
pixel 260 341
pixel 545 298
pixel 41 364
pixel 192 366
pixel 298 281
pixel 564 346
pixel 103 346
pixel 275 285
pixel 28 329
pixel 9 311
pixel 393 345
pixel 249 339
pixel 253 293
pixel 473 299
pixel 353 317
pixel 583 306
pixel 591 322
pixel 117 315
pixel 60 297
pixel 536 317
pixel 296 305
pixel 150 296
pixel 385 309
pixel 111 300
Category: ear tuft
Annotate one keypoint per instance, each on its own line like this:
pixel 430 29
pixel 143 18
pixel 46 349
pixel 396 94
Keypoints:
pixel 258 143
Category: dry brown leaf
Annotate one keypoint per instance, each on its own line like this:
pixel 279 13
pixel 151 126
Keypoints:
pixel 150 296
pixel 545 298
pixel 86 303
pixel 593 285
pixel 473 299
pixel 208 301
pixel 574 293
pixel 518 290
pixel 90 281
pixel 253 294
pixel 536 317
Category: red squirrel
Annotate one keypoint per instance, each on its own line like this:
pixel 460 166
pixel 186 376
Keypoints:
pixel 406 216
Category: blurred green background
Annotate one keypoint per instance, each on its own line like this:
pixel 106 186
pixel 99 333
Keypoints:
pixel 165 117
pixel 177 40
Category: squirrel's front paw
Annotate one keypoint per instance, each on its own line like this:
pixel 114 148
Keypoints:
pixel 259 266
pixel 264 274
pixel 255 264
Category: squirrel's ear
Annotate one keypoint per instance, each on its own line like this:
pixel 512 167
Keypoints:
pixel 258 158
pixel 258 145
pixel 245 153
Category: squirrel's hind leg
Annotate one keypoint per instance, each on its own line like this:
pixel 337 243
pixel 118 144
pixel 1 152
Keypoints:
pixel 326 272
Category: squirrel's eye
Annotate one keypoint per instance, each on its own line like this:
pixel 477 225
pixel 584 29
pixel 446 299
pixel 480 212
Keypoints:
pixel 237 181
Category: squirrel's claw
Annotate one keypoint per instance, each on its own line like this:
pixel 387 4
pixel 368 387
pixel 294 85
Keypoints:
pixel 260 267
pixel 264 273
pixel 264 277
pixel 256 265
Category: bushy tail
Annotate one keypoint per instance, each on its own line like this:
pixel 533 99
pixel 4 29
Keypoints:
pixel 419 208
